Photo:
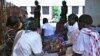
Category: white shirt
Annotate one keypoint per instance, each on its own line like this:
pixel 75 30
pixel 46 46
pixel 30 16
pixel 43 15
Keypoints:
pixel 28 43
pixel 87 43
pixel 71 29
pixel 49 29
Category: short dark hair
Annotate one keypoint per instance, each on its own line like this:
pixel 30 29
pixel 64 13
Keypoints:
pixel 73 17
pixel 87 19
pixel 45 20
pixel 33 25
pixel 36 2
pixel 12 21
pixel 64 2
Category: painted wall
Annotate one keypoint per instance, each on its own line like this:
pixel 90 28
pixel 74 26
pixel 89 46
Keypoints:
pixel 93 8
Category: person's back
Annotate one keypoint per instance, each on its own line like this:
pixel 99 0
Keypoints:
pixel 12 24
pixel 28 44
pixel 87 42
pixel 61 30
pixel 49 29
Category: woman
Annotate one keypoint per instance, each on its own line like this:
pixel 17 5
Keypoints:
pixel 13 25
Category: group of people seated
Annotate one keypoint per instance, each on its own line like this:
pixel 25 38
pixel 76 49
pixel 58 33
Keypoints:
pixel 75 37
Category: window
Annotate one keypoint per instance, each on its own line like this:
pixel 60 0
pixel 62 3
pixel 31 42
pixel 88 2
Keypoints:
pixel 75 9
pixel 83 9
pixel 32 9
pixel 45 9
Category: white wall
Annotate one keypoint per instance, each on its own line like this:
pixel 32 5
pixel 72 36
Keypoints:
pixel 47 2
pixel 93 8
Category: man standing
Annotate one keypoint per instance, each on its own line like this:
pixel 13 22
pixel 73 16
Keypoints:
pixel 37 13
pixel 64 11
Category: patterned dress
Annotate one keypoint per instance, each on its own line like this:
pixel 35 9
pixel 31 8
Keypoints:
pixel 87 43
pixel 9 39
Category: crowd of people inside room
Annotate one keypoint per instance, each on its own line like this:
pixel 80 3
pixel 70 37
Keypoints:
pixel 72 35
